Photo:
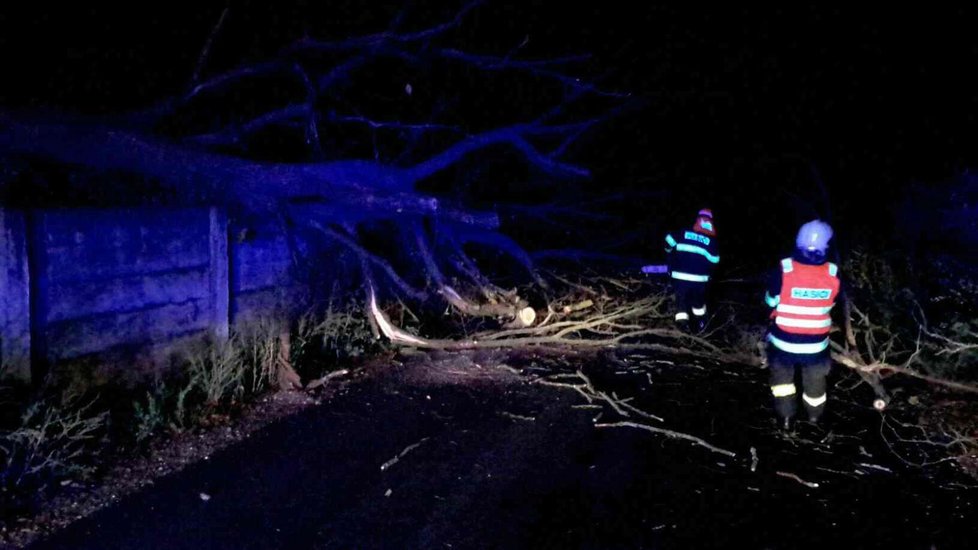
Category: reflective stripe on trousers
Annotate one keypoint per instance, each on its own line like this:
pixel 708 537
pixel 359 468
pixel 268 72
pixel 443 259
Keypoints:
pixel 801 349
pixel 815 401
pixel 690 277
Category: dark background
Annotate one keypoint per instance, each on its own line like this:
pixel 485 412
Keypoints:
pixel 745 109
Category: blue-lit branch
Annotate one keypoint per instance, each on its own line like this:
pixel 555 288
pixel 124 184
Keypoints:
pixel 253 182
pixel 471 235
pixel 301 114
pixel 374 207
pixel 367 258
pixel 539 67
pixel 386 38
pixel 412 47
pixel 292 115
pixel 515 136
pixel 362 47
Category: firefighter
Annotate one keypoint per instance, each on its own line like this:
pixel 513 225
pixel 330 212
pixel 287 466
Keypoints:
pixel 693 256
pixel 801 294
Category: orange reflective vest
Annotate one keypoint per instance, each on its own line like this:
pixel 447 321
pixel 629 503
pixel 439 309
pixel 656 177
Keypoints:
pixel 808 293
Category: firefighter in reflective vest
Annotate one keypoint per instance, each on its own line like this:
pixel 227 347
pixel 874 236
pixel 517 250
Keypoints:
pixel 693 256
pixel 801 294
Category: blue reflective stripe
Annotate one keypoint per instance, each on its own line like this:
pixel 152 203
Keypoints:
pixel 833 269
pixel 801 349
pixel 690 277
pixel 683 247
pixel 670 240
pixel 786 265
pixel 771 301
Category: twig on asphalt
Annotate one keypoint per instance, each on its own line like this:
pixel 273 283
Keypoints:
pixel 668 433
pixel 795 477
pixel 321 381
pixel 397 458
pixel 518 416
pixel 875 467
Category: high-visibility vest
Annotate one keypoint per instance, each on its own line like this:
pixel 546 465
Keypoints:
pixel 808 293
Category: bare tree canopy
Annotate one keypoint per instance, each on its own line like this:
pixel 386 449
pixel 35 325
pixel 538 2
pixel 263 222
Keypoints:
pixel 352 135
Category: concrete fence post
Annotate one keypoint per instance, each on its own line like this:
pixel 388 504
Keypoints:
pixel 15 307
pixel 220 288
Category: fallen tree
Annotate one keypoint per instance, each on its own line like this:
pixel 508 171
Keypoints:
pixel 625 320
pixel 372 166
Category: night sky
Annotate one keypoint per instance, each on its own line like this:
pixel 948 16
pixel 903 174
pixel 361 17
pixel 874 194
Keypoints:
pixel 740 104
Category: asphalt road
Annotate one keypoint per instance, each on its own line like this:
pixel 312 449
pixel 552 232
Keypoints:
pixel 495 462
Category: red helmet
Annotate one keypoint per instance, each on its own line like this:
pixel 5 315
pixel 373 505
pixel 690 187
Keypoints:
pixel 704 222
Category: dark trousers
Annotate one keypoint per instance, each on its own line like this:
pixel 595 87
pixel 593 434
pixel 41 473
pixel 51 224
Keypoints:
pixel 783 371
pixel 690 299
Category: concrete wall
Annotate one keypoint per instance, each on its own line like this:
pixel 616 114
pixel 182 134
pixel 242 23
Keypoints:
pixel 15 317
pixel 261 279
pixel 78 282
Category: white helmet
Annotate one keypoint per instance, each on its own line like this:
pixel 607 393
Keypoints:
pixel 814 236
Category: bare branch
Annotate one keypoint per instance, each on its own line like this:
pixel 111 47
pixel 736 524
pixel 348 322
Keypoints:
pixel 538 68
pixel 371 258
pixel 234 135
pixel 398 205
pixel 669 433
pixel 512 135
pixel 789 475
pixel 374 41
pixel 868 357
pixel 390 125
pixel 235 75
pixel 952 346
pixel 207 46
